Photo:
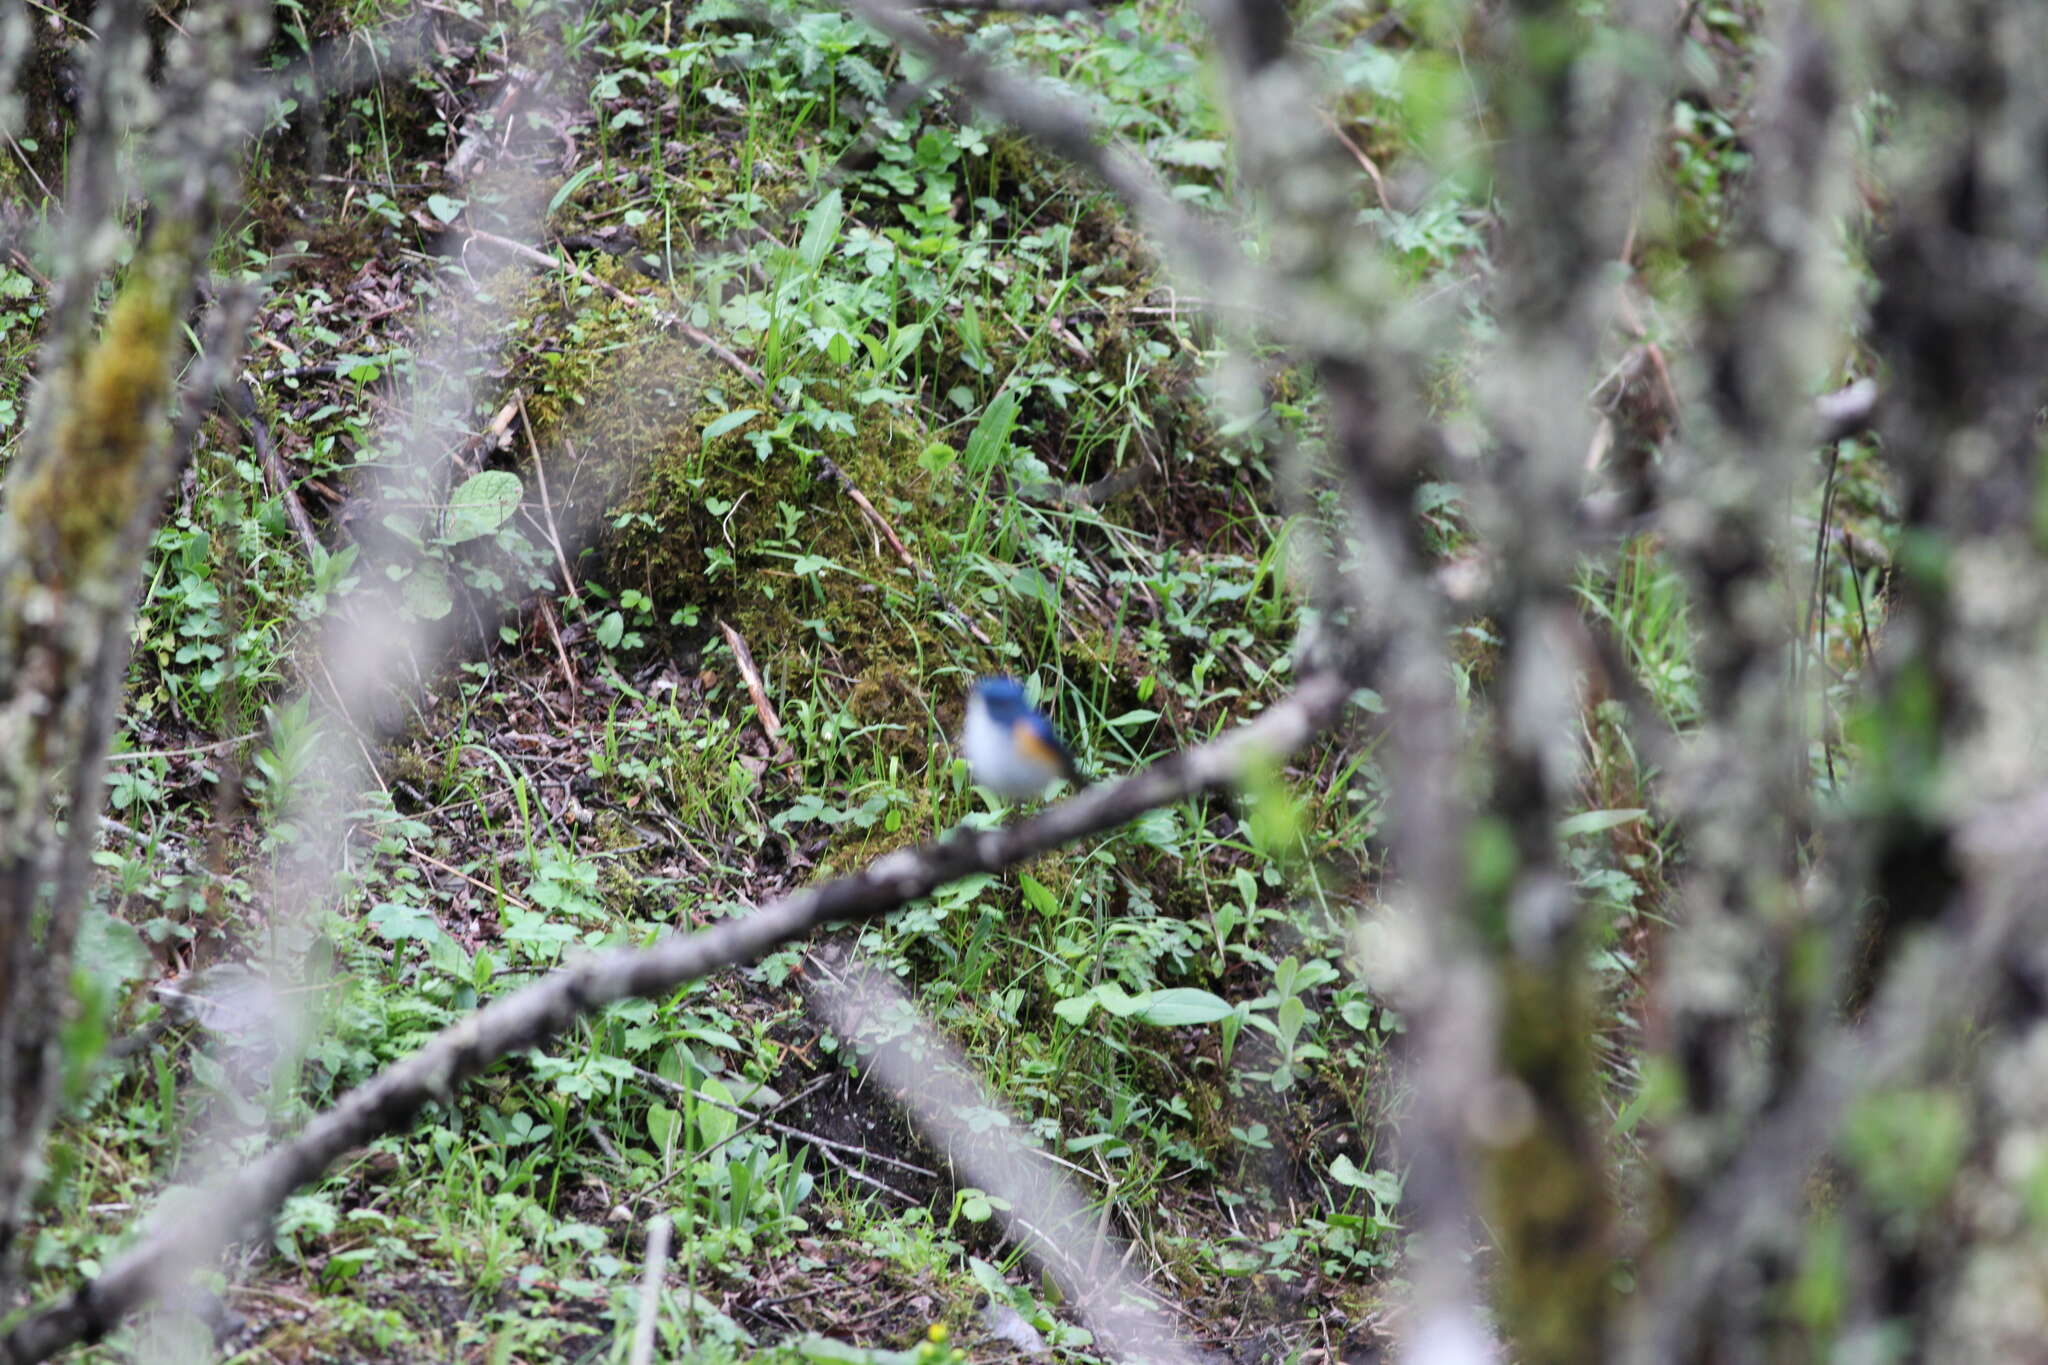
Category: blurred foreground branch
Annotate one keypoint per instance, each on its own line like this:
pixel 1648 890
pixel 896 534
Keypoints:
pixel 1039 1208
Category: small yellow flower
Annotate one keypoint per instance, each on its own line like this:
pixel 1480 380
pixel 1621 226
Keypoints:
pixel 937 1332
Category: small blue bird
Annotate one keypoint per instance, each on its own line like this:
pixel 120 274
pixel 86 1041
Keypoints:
pixel 1011 749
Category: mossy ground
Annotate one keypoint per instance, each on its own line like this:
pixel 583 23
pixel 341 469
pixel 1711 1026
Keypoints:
pixel 982 346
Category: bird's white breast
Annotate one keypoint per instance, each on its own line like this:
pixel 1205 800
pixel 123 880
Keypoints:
pixel 996 761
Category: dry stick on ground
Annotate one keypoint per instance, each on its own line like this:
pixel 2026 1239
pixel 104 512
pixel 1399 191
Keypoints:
pixel 823 1146
pixel 554 535
pixel 547 616
pixel 274 471
pixel 547 502
pixel 194 1233
pixel 757 692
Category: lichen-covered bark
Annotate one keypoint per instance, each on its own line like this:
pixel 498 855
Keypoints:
pixel 68 566
pixel 94 464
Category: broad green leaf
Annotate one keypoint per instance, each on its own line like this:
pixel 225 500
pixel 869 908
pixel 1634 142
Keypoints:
pixel 732 421
pixel 821 230
pixel 109 949
pixel 990 440
pixel 714 1123
pixel 482 504
pixel 427 594
pixel 1040 896
pixel 661 1125
pixel 1113 998
pixel 1075 1009
pixel 1177 1006
pixel 1200 153
pixel 398 922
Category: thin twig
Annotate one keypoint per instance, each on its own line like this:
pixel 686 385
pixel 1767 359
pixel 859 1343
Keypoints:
pixel 771 723
pixel 137 755
pixel 547 504
pixel 763 1120
pixel 1371 168
pixel 547 616
pixel 274 472
pixel 696 336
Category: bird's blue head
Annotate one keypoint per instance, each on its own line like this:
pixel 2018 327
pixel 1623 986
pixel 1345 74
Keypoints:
pixel 1003 698
pixel 1011 749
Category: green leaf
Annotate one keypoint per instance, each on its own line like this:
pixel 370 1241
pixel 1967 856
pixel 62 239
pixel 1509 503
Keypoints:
pixel 1040 896
pixel 732 421
pixel 1113 998
pixel 1275 818
pixel 821 230
pixel 1177 1006
pixel 427 594
pixel 444 208
pixel 714 1123
pixel 1593 821
pixel 1130 718
pixel 1170 1008
pixel 1075 1009
pixel 1033 586
pixel 827 1351
pixel 1383 1186
pixel 482 504
pixel 1200 153
pixel 611 629
pixel 990 440
pixel 398 922
pixel 569 187
pixel 109 949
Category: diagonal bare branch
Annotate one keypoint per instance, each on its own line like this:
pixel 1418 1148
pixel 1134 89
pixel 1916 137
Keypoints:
pixel 194 1233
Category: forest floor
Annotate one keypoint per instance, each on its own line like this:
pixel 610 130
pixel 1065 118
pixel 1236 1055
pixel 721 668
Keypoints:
pixel 954 418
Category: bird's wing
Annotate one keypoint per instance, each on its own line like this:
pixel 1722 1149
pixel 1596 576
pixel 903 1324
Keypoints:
pixel 1036 739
